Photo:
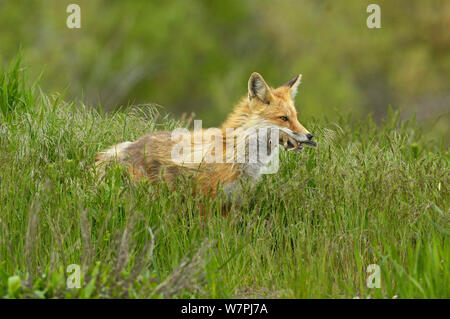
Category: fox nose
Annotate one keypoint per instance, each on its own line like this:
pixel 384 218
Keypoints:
pixel 309 136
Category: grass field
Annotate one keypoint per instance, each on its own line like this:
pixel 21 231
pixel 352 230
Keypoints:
pixel 368 194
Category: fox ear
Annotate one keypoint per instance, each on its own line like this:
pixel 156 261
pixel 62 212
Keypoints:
pixel 258 88
pixel 293 85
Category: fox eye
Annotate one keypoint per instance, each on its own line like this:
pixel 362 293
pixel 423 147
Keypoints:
pixel 284 118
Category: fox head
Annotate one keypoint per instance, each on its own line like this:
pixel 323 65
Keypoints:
pixel 265 106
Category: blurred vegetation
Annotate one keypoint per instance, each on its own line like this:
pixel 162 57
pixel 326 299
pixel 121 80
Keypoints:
pixel 196 56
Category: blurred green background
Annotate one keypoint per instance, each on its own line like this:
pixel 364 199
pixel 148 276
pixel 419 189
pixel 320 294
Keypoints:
pixel 196 56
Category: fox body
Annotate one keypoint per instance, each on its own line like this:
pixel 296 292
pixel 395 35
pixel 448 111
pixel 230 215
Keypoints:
pixel 152 156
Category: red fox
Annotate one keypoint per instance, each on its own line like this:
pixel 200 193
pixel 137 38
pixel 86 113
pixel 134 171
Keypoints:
pixel 153 157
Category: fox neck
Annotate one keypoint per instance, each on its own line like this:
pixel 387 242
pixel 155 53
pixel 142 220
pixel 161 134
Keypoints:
pixel 240 120
pixel 242 117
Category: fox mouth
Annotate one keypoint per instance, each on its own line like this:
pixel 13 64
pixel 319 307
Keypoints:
pixel 294 142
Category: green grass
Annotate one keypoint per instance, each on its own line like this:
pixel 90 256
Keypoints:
pixel 368 194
